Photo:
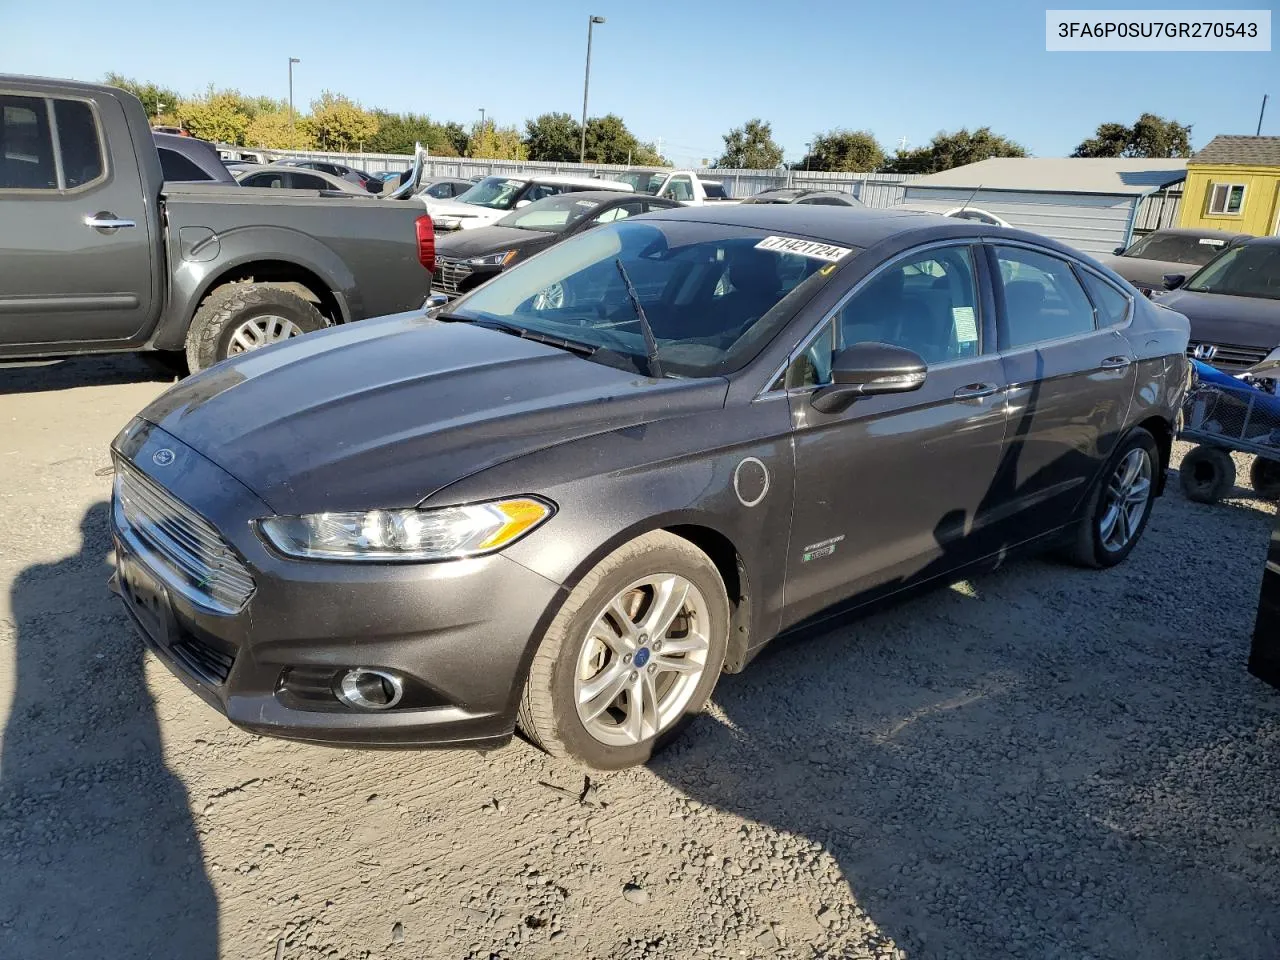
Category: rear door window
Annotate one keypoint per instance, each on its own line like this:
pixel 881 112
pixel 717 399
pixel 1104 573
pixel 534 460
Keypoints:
pixel 79 141
pixel 307 181
pixel 1111 304
pixel 1043 299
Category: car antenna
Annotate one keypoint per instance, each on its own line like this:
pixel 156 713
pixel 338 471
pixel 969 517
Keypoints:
pixel 650 341
pixel 965 206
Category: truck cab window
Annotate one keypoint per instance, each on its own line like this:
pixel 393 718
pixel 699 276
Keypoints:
pixel 79 141
pixel 26 146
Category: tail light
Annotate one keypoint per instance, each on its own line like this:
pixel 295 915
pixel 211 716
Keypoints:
pixel 426 242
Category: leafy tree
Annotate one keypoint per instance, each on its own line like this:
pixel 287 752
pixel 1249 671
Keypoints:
pixel 218 116
pixel 948 150
pixel 152 96
pixel 1150 136
pixel 750 146
pixel 339 123
pixel 398 132
pixel 553 136
pixel 497 143
pixel 647 155
pixel 609 140
pixel 272 130
pixel 845 151
pixel 453 134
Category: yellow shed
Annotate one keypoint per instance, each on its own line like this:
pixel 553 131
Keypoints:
pixel 1234 184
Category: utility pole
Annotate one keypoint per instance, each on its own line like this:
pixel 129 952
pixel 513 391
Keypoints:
pixel 658 144
pixel 1260 114
pixel 586 86
pixel 808 149
pixel 482 119
pixel 293 140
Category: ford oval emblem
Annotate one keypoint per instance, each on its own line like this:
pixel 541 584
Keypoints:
pixel 162 458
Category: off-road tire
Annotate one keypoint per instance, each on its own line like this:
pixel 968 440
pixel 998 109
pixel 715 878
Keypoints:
pixel 1264 477
pixel 1207 474
pixel 227 307
pixel 1086 548
pixel 547 714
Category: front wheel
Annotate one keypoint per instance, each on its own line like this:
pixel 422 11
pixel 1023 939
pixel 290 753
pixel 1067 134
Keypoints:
pixel 1118 509
pixel 635 651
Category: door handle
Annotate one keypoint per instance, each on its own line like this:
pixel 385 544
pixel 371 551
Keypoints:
pixel 975 391
pixel 1115 363
pixel 107 221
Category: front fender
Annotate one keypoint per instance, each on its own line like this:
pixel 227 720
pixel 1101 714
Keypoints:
pixel 197 267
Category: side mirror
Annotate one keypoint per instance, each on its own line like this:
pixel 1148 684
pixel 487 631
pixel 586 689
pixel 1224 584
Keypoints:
pixel 434 301
pixel 869 369
pixel 1172 281
pixel 1119 251
pixel 522 203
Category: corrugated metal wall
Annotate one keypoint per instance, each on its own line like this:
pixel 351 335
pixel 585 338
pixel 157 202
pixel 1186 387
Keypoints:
pixel 1094 224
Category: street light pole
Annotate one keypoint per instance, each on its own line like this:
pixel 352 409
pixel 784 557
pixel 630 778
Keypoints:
pixel 586 85
pixel 482 119
pixel 293 140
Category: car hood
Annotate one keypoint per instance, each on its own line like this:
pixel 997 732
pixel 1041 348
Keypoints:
pixel 486 240
pixel 1147 273
pixel 1220 319
pixel 385 412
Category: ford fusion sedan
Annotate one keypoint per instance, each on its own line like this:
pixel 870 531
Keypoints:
pixel 572 514
pixel 1233 303
pixel 466 259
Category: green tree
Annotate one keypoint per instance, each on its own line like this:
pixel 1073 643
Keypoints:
pixel 844 151
pixel 398 132
pixel 454 135
pixel 497 143
pixel 948 150
pixel 553 136
pixel 609 141
pixel 647 155
pixel 750 147
pixel 219 116
pixel 155 99
pixel 339 123
pixel 1150 136
pixel 273 130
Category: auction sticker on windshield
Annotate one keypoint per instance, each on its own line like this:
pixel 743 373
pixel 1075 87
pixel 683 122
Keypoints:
pixel 804 248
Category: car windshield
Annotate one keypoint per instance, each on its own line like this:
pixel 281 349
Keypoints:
pixel 499 193
pixel 1252 270
pixel 642 181
pixel 714 295
pixel 1177 248
pixel 555 214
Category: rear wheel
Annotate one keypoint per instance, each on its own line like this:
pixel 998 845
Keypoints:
pixel 240 317
pixel 1207 474
pixel 1264 477
pixel 1117 511
pixel 635 651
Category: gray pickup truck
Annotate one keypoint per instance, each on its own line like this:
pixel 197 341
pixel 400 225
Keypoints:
pixel 99 254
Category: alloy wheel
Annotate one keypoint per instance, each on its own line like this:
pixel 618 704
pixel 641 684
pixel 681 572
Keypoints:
pixel 1126 497
pixel 261 331
pixel 642 660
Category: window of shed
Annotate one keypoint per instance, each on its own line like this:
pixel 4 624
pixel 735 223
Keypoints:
pixel 1226 199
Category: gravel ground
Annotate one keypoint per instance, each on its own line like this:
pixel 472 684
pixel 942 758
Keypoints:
pixel 1041 762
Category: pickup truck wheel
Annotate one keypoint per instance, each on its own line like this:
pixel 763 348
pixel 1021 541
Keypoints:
pixel 240 317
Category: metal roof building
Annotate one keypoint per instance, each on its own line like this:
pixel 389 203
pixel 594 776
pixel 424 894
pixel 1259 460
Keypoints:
pixel 1089 203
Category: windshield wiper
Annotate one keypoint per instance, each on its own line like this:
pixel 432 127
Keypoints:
pixel 650 341
pixel 573 346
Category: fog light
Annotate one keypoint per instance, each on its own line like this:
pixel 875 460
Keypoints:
pixel 370 689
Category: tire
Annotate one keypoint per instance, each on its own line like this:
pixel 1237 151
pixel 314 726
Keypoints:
pixel 225 312
pixel 1097 542
pixel 549 714
pixel 1264 477
pixel 1207 474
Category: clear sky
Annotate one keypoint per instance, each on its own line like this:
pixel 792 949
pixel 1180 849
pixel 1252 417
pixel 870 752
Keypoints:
pixel 679 71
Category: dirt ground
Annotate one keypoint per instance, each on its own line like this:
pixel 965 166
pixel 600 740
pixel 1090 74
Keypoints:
pixel 1042 762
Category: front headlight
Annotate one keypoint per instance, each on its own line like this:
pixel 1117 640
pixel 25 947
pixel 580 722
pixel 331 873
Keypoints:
pixel 445 223
pixel 493 259
pixel 444 533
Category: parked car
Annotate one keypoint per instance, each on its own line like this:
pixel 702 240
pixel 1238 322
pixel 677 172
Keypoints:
pixel 573 513
pixel 113 258
pixel 367 181
pixel 467 258
pixel 964 212
pixel 690 189
pixel 176 131
pixel 1233 303
pixel 188 160
pixel 444 188
pixel 829 198
pixel 1145 262
pixel 489 200
pixel 273 176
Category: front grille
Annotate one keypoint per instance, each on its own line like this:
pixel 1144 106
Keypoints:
pixel 449 275
pixel 182 547
pixel 210 665
pixel 1229 356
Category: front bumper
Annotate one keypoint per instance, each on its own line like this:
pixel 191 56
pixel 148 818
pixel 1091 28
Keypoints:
pixel 459 633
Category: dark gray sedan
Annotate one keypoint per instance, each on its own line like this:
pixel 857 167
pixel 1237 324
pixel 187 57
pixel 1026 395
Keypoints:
pixel 572 513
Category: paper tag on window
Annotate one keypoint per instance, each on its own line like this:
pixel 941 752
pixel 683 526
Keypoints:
pixel 965 323
pixel 805 248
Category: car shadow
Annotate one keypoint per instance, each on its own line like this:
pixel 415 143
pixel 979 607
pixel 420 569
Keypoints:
pixel 99 855
pixel 38 376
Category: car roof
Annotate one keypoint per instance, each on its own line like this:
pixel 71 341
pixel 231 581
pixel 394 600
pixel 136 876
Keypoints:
pixel 338 182
pixel 1197 232
pixel 1263 241
pixel 850 226
pixel 613 186
pixel 200 152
